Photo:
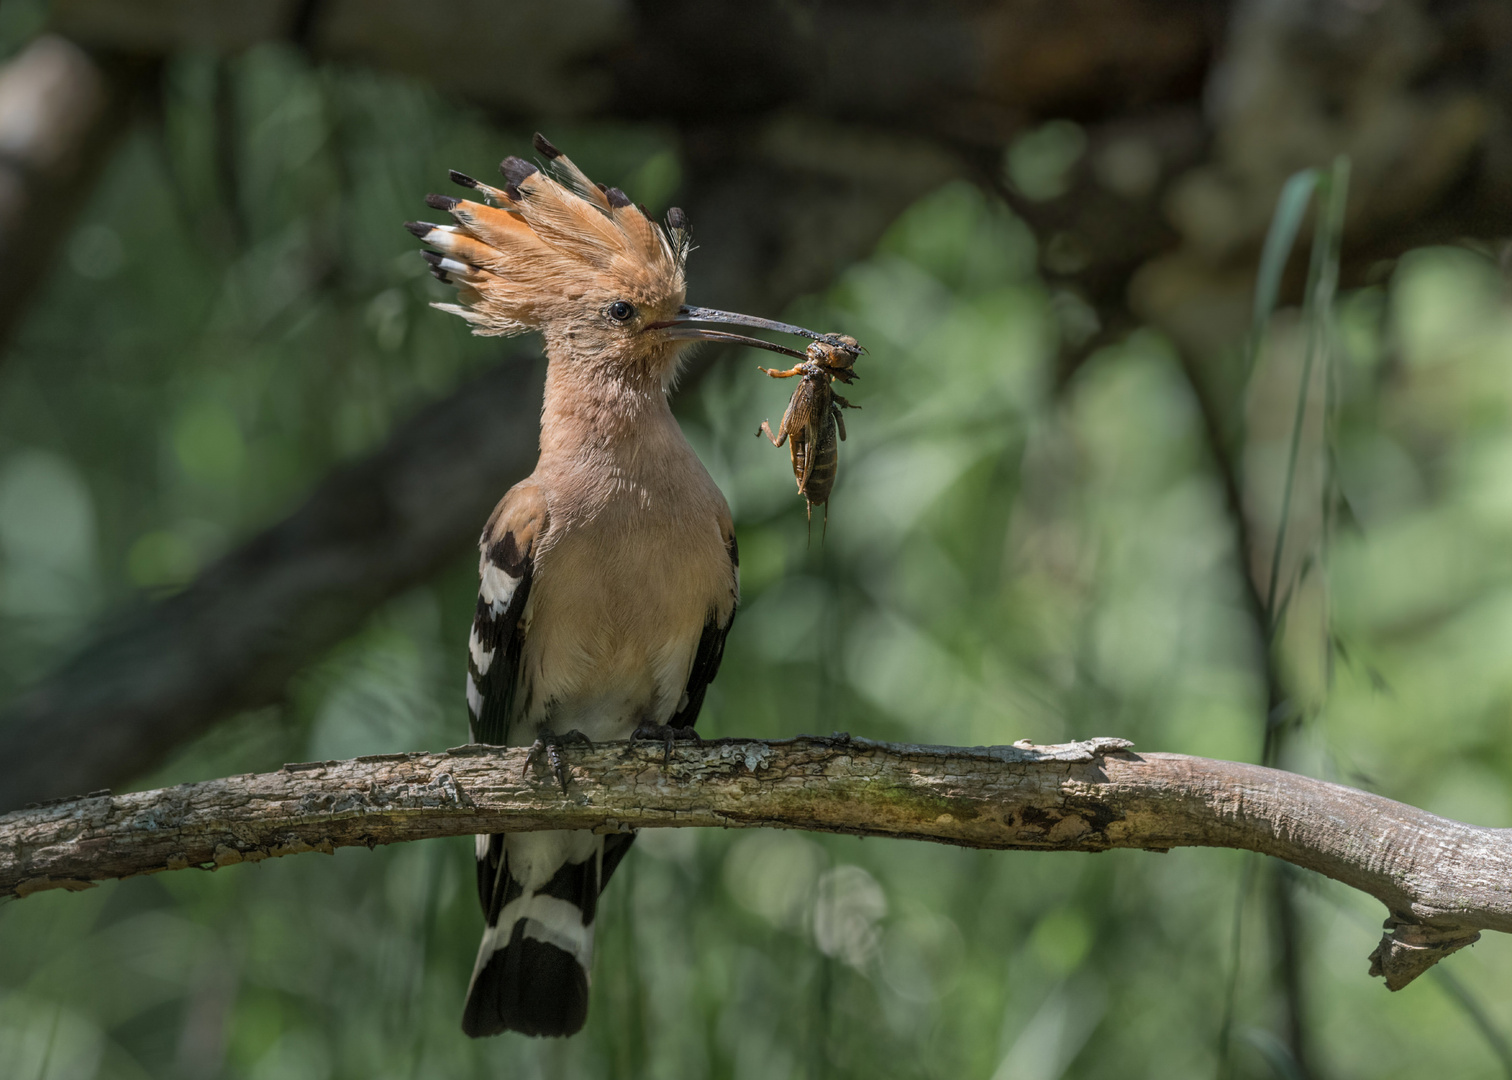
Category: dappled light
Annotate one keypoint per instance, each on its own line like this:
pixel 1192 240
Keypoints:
pixel 1017 547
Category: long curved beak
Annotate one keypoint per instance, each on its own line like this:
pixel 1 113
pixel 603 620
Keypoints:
pixel 684 327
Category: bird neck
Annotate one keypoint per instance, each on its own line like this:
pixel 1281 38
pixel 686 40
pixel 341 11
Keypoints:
pixel 596 406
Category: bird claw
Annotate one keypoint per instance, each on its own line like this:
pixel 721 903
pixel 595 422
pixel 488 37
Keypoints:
pixel 550 743
pixel 663 733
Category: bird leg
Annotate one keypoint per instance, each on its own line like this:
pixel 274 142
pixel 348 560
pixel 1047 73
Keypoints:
pixel 550 743
pixel 663 733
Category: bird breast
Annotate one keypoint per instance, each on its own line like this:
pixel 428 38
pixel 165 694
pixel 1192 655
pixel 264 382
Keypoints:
pixel 632 568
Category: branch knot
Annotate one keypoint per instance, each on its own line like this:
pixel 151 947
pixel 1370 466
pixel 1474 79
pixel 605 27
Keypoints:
pixel 1412 948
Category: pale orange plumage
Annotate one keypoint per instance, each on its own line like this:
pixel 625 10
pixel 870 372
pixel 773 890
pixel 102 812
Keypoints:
pixel 608 578
pixel 547 246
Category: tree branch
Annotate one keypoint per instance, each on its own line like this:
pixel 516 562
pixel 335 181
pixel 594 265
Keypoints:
pixel 162 673
pixel 1441 881
pixel 975 70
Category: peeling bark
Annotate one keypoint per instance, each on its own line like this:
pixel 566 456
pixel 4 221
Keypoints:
pixel 1442 881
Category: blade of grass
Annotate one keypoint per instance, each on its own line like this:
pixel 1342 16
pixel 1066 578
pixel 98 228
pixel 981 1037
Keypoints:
pixel 1286 222
pixel 52 1038
pixel 1275 1053
pixel 1231 990
pixel 1333 497
pixel 1322 282
pixel 1317 316
pixel 1458 992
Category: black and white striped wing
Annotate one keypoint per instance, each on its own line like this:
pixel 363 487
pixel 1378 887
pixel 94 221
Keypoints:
pixel 505 565
pixel 497 640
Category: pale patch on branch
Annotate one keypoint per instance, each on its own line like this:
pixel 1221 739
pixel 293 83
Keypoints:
pixel 1442 881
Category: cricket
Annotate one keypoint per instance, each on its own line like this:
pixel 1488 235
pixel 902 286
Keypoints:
pixel 813 425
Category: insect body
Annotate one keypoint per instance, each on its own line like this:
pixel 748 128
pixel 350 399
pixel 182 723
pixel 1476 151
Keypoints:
pixel 813 425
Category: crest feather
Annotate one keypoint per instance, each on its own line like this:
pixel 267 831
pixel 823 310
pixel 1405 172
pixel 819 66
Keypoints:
pixel 516 263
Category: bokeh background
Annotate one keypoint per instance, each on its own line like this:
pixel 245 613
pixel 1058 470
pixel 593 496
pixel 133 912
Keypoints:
pixel 1057 513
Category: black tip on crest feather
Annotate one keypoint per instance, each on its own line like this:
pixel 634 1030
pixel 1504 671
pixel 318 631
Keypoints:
pixel 461 179
pixel 616 197
pixel 419 228
pixel 440 275
pixel 512 193
pixel 440 202
pixel 543 146
pixel 676 219
pixel 516 170
pixel 432 257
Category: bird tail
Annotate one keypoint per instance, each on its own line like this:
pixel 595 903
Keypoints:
pixel 540 894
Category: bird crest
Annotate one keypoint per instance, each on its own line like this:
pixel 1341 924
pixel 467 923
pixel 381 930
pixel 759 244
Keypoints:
pixel 549 246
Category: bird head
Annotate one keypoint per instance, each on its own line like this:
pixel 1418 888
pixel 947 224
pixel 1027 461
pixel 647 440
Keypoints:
pixel 555 253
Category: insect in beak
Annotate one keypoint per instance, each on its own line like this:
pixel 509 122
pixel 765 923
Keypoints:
pixel 684 327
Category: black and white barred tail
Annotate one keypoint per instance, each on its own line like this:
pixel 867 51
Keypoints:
pixel 540 893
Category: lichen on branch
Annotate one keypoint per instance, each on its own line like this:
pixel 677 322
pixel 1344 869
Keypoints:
pixel 1441 881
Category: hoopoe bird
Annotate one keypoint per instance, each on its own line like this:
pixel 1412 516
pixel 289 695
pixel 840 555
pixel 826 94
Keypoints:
pixel 610 575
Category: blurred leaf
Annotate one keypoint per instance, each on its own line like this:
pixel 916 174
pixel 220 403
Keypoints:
pixel 1280 238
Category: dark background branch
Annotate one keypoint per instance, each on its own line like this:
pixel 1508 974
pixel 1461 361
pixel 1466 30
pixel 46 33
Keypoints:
pixel 164 672
pixel 62 113
pixel 803 138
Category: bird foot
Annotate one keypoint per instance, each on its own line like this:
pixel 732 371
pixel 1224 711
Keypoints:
pixel 550 744
pixel 662 733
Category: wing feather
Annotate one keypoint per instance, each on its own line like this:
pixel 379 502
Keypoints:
pixel 505 565
pixel 710 650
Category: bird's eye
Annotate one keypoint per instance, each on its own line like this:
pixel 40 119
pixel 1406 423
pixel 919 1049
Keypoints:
pixel 622 311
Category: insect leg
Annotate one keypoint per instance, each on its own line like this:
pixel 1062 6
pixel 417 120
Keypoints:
pixel 766 429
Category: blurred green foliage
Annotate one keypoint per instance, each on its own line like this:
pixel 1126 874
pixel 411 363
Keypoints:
pixel 239 309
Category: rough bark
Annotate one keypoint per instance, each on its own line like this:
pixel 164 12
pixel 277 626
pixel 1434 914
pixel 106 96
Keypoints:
pixel 805 130
pixel 166 672
pixel 1441 881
